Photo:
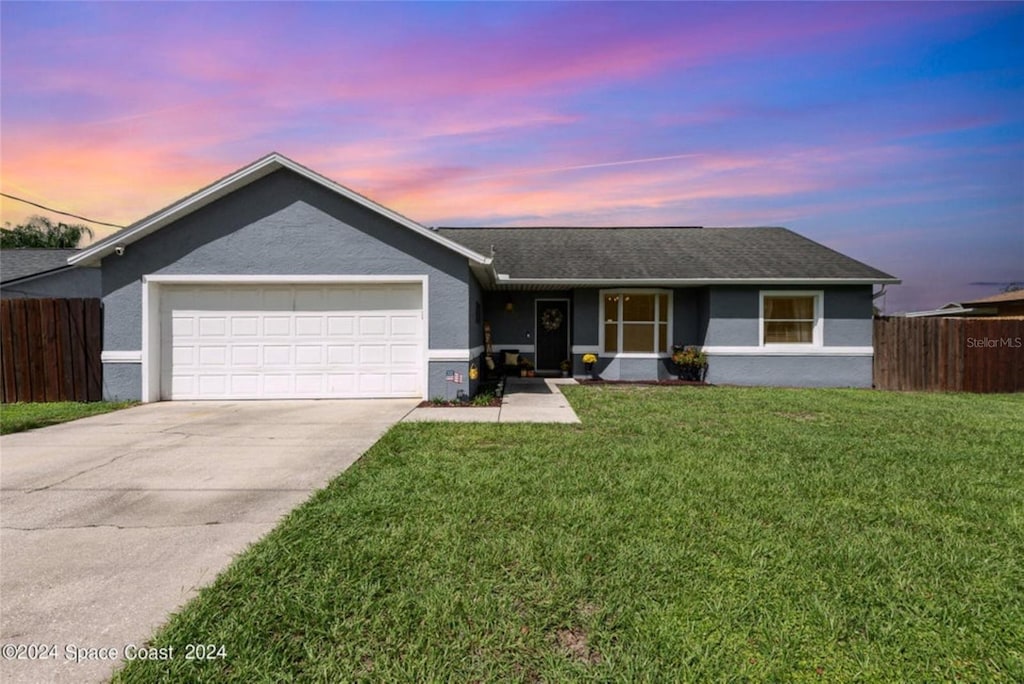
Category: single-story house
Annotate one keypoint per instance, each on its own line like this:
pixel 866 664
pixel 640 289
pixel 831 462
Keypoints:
pixel 1004 304
pixel 44 273
pixel 276 282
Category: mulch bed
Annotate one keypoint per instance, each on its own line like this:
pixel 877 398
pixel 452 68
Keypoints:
pixel 458 404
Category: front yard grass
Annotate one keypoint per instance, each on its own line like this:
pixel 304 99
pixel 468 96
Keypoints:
pixel 679 534
pixel 18 417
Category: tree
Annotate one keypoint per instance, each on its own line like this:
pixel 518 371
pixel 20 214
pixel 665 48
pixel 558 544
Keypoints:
pixel 42 232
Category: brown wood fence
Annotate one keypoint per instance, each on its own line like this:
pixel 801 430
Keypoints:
pixel 949 354
pixel 50 350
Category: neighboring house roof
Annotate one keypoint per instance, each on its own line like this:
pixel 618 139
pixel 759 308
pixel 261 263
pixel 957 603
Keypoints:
pixel 1004 303
pixel 239 179
pixel 951 309
pixel 661 255
pixel 1001 298
pixel 16 264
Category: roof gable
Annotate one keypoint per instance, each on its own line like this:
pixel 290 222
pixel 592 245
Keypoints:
pixel 239 179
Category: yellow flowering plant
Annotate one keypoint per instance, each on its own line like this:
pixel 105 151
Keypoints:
pixel 590 358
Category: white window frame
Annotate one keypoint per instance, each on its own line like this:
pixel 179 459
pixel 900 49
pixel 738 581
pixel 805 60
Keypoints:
pixel 635 355
pixel 818 330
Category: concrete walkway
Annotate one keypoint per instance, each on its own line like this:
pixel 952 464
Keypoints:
pixel 110 523
pixel 526 400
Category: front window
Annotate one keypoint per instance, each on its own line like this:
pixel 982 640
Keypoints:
pixel 636 322
pixel 789 318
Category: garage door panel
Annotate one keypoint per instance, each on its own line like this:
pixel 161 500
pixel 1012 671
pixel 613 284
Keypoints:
pixel 184 356
pixel 248 342
pixel 277 355
pixel 311 384
pixel 405 326
pixel 245 355
pixel 213 356
pixel 341 354
pixel 183 326
pixel 279 385
pixel 213 326
pixel 245 326
pixel 372 384
pixel 309 355
pixel 308 326
pixel 341 384
pixel 210 384
pixel 372 354
pixel 405 383
pixel 183 385
pixel 341 326
pixel 277 326
pixel 373 326
pixel 405 355
pixel 245 385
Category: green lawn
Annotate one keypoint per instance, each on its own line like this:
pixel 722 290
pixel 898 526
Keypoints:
pixel 679 534
pixel 18 417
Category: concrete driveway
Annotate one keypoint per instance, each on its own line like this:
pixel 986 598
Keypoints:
pixel 112 522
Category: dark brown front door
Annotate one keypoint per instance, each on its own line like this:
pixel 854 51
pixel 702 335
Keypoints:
pixel 552 339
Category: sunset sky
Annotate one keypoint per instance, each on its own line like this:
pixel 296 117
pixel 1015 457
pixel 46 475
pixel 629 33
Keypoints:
pixel 891 132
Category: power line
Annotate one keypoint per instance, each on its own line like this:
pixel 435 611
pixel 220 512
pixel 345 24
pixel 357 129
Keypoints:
pixel 58 211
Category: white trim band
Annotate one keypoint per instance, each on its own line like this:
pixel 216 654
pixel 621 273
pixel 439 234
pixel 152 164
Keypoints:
pixel 796 350
pixel 586 349
pixel 117 356
pixel 454 354
pixel 523 348
pixel 161 279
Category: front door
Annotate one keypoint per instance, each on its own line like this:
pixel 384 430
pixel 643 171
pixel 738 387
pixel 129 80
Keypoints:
pixel 552 338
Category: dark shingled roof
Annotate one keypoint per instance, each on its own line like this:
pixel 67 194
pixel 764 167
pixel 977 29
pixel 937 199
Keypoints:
pixel 20 263
pixel 660 253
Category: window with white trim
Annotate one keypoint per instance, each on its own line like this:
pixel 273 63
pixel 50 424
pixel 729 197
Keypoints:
pixel 791 318
pixel 635 321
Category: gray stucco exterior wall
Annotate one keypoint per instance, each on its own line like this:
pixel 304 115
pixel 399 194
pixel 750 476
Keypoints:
pixel 71 283
pixel 733 319
pixel 586 317
pixel 283 224
pixel 848 317
pixel 790 371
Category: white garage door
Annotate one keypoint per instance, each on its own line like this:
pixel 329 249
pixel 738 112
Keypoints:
pixel 291 342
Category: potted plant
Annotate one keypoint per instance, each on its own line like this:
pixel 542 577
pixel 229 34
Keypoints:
pixel 588 362
pixel 691 363
pixel 525 368
pixel 566 367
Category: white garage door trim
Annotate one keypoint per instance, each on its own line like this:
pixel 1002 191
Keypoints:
pixel 152 285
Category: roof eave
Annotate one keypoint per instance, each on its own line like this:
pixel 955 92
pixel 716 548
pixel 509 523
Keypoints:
pixel 505 279
pixel 241 178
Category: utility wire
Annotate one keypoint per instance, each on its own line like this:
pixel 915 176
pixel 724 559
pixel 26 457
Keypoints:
pixel 63 213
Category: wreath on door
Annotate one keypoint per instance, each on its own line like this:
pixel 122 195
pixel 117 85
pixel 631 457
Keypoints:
pixel 551 320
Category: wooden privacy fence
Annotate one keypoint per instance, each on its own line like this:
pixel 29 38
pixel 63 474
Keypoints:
pixel 949 354
pixel 50 350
